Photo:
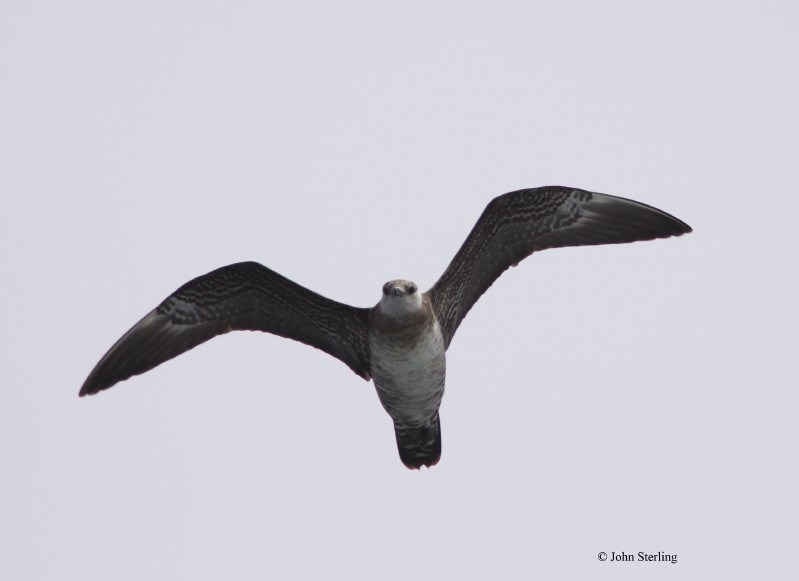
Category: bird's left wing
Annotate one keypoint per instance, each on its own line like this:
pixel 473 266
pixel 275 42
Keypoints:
pixel 243 296
pixel 515 225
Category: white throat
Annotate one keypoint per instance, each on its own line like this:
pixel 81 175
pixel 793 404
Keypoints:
pixel 402 305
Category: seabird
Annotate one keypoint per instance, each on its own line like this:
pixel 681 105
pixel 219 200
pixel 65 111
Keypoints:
pixel 401 342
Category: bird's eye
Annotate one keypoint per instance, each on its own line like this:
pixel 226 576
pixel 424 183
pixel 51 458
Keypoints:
pixel 411 289
pixel 386 289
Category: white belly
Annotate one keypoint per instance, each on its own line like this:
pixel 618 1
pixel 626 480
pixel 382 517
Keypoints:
pixel 409 374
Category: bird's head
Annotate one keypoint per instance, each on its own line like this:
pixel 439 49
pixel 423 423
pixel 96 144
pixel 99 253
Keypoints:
pixel 400 297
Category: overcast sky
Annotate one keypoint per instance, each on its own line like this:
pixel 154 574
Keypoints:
pixel 621 398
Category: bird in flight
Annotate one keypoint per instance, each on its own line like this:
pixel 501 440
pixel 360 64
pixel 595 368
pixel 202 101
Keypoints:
pixel 401 342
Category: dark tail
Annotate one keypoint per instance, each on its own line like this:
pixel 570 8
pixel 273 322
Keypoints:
pixel 419 446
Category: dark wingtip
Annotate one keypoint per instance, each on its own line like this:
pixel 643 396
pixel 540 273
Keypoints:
pixel 625 220
pixel 680 227
pixel 90 387
pixel 676 228
pixel 100 378
pixel 134 353
pixel 86 389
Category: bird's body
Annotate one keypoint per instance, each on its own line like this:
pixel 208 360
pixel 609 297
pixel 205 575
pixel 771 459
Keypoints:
pixel 401 342
pixel 408 368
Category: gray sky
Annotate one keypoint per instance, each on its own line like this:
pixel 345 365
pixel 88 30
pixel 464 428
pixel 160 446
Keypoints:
pixel 625 398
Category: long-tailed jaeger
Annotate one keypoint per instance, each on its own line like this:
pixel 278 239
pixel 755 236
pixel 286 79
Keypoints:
pixel 401 342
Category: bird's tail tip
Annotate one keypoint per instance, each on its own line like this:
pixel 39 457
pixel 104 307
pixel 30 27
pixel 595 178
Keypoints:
pixel 420 445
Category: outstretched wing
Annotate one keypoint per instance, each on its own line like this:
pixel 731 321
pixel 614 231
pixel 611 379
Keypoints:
pixel 515 225
pixel 244 296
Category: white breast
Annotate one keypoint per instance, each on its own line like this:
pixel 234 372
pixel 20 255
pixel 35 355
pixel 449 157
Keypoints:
pixel 408 372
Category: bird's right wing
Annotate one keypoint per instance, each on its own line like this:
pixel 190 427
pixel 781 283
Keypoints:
pixel 243 296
